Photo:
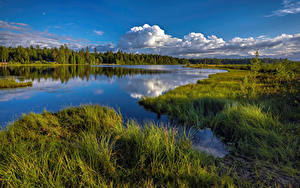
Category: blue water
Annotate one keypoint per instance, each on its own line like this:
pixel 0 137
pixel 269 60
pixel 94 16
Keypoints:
pixel 119 87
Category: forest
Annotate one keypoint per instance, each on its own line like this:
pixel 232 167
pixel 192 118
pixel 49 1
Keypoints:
pixel 64 55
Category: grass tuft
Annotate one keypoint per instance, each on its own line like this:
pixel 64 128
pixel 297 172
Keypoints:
pixel 89 146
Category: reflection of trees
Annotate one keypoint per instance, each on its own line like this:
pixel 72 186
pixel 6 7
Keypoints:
pixel 65 73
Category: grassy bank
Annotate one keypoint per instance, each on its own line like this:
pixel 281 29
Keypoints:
pixel 11 83
pixel 89 146
pixel 256 112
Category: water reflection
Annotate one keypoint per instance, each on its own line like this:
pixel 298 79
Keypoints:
pixel 205 140
pixel 119 87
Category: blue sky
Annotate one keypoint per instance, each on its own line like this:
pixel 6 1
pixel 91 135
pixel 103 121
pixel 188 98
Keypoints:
pixel 106 24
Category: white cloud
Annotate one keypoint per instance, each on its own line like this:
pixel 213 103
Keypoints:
pixel 20 34
pixel 12 26
pixel 100 33
pixel 98 92
pixel 289 7
pixel 43 39
pixel 104 47
pixel 154 40
pixel 19 24
pixel 13 39
pixel 146 37
pixel 155 85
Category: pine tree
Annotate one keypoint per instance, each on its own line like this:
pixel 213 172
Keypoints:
pixel 255 63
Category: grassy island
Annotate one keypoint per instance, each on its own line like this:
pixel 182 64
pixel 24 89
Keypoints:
pixel 11 83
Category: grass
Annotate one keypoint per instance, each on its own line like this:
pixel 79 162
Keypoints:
pixel 89 146
pixel 11 83
pixel 258 117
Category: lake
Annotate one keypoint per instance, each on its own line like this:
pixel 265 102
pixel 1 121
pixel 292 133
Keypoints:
pixel 120 87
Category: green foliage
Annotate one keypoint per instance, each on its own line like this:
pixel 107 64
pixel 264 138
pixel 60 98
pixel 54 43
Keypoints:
pixel 284 72
pixel 89 146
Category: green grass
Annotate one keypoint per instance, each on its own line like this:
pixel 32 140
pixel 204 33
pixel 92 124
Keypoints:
pixel 258 117
pixel 89 146
pixel 11 83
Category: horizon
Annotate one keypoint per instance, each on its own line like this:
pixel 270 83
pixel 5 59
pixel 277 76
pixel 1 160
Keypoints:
pixel 215 29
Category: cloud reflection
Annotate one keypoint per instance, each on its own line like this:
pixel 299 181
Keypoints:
pixel 155 85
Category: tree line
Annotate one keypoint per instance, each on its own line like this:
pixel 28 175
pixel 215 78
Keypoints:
pixel 64 55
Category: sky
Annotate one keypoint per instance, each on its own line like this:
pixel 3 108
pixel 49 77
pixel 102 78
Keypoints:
pixel 189 28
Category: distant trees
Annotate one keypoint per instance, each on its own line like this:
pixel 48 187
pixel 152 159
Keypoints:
pixel 64 55
pixel 216 61
pixel 61 55
pixel 3 53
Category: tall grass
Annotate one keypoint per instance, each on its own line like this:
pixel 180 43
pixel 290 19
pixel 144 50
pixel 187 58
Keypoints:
pixel 89 146
pixel 257 116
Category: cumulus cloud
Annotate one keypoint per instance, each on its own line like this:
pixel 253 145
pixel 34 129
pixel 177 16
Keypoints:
pixel 154 40
pixel 100 33
pixel 146 37
pixel 289 7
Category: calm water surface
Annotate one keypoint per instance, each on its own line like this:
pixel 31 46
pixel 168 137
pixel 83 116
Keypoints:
pixel 119 87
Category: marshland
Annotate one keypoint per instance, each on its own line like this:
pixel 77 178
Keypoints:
pixel 101 93
pixel 158 125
